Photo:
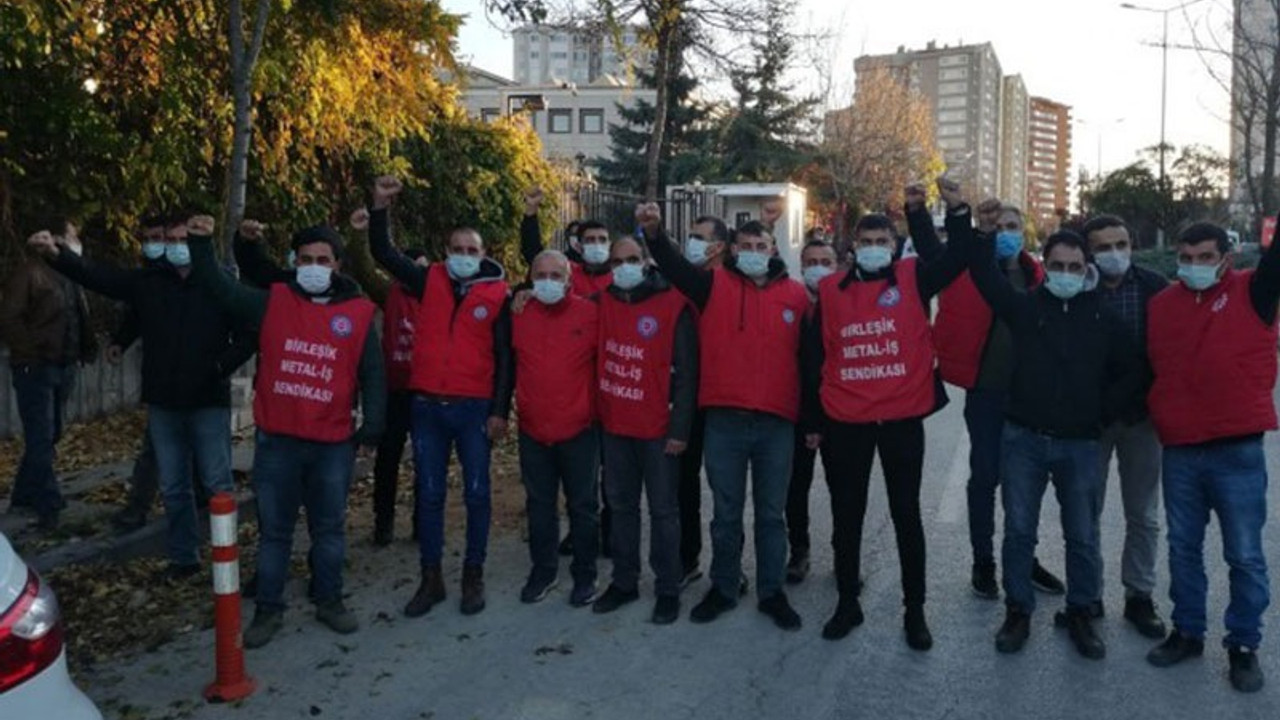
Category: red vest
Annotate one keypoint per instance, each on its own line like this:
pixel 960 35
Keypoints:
pixel 750 342
pixel 453 341
pixel 555 368
pixel 879 353
pixel 308 361
pixel 637 341
pixel 964 323
pixel 398 314
pixel 584 284
pixel 1214 363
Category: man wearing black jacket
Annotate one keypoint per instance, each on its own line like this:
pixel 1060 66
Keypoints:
pixel 1126 289
pixel 1074 370
pixel 188 344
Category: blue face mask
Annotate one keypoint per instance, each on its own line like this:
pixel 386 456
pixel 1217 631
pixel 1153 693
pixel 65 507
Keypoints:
pixel 695 250
pixel 1009 243
pixel 314 279
pixel 753 264
pixel 178 254
pixel 873 258
pixel 595 253
pixel 814 274
pixel 628 275
pixel 1198 277
pixel 153 250
pixel 463 267
pixel 1064 285
pixel 548 292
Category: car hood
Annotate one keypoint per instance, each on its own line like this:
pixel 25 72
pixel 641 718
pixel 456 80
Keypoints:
pixel 13 574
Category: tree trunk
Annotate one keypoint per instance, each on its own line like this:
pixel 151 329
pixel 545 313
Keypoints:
pixel 666 23
pixel 1270 127
pixel 243 60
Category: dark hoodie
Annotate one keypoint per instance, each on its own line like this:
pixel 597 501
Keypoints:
pixel 684 356
pixel 414 277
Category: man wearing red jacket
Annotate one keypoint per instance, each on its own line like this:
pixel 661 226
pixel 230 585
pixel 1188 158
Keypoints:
pixel 461 376
pixel 588 252
pixel 749 330
pixel 554 341
pixel 1211 339
pixel 975 352
pixel 648 367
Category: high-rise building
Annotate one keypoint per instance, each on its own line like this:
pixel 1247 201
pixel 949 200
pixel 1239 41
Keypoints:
pixel 553 55
pixel 964 85
pixel 1015 126
pixel 1256 27
pixel 1048 161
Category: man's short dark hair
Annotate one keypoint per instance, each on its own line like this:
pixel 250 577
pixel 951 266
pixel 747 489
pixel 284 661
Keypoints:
pixel 1069 239
pixel 875 221
pixel 319 234
pixel 571 230
pixel 719 231
pixel 1103 222
pixel 155 220
pixel 816 244
pixel 1201 231
pixel 755 228
pixel 56 223
pixel 586 225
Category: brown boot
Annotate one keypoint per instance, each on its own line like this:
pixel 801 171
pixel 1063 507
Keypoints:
pixel 472 589
pixel 430 592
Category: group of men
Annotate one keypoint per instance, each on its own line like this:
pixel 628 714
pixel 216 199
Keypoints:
pixel 632 363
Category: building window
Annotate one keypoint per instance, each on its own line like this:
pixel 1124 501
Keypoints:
pixel 533 55
pixel 954 101
pixel 952 130
pixel 490 114
pixel 952 60
pixel 952 116
pixel 560 122
pixel 559 55
pixel 956 143
pixel 954 74
pixel 953 88
pixel 591 122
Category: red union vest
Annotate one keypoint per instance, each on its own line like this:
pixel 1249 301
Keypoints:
pixel 637 342
pixel 879 353
pixel 584 284
pixel 453 340
pixel 308 360
pixel 1214 363
pixel 555 350
pixel 750 344
pixel 964 322
pixel 398 314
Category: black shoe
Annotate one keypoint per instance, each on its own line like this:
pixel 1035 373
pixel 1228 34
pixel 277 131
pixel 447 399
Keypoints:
pixel 984 581
pixel 1014 633
pixel 382 535
pixel 798 567
pixel 128 520
pixel 1079 624
pixel 1141 612
pixel 430 592
pixel 918 635
pixel 583 594
pixel 1045 581
pixel 691 575
pixel 536 589
pixel 265 625
pixel 777 607
pixel 713 605
pixel 1246 675
pixel 472 601
pixel 848 615
pixel 566 546
pixel 178 573
pixel 612 599
pixel 1176 648
pixel 666 610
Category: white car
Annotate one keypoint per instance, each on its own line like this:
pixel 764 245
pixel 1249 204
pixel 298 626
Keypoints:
pixel 33 661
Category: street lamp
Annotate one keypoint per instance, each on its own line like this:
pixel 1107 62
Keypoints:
pixel 1164 85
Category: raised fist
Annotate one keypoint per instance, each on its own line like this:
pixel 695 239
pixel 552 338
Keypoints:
pixel 385 190
pixel 251 230
pixel 916 197
pixel 200 226
pixel 648 216
pixel 43 243
pixel 360 220
pixel 989 214
pixel 532 201
pixel 950 191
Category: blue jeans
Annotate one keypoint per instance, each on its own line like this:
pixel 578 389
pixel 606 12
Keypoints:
pixel 179 438
pixel 984 418
pixel 437 427
pixel 1028 461
pixel 289 473
pixel 736 440
pixel 42 391
pixel 1230 480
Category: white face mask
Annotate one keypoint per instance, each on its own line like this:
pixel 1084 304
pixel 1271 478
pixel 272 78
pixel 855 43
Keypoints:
pixel 1113 263
pixel 814 274
pixel 314 279
pixel 595 253
pixel 873 258
pixel 695 250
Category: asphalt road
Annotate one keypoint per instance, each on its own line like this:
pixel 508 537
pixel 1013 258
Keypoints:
pixel 550 661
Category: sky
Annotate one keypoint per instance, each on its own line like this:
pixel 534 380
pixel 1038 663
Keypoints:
pixel 1093 55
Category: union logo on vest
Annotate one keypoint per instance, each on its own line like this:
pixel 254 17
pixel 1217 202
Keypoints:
pixel 647 326
pixel 342 326
pixel 890 297
pixel 480 313
pixel 788 316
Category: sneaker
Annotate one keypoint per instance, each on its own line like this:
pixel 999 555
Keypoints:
pixel 584 593
pixel 177 573
pixel 1141 612
pixel 1013 635
pixel 777 607
pixel 692 574
pixel 566 546
pixel 472 590
pixel 984 581
pixel 614 598
pixel 666 610
pixel 918 635
pixel 713 605
pixel 537 589
pixel 430 592
pixel 798 567
pixel 1079 624
pixel 265 625
pixel 1045 581
pixel 1246 675
pixel 848 615
pixel 1176 648
pixel 337 617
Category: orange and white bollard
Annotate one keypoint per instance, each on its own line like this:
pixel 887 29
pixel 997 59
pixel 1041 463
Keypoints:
pixel 231 683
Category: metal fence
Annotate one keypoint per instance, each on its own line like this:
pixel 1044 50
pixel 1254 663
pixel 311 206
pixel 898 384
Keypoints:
pixel 585 200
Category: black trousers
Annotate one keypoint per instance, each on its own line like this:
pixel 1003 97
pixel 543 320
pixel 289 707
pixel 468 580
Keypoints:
pixel 803 461
pixel 386 466
pixel 690 495
pixel 850 450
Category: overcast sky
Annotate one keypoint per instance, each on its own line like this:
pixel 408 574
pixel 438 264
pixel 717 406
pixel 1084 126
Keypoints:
pixel 1089 54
